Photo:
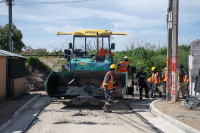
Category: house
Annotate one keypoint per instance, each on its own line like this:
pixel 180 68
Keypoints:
pixel 12 75
pixel 194 64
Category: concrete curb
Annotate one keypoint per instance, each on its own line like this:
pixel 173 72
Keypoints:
pixel 18 113
pixel 173 121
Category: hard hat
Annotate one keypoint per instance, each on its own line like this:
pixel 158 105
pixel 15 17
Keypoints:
pixel 125 57
pixel 113 66
pixel 165 68
pixel 153 68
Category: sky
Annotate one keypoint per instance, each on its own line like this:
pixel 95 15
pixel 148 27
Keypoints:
pixel 139 18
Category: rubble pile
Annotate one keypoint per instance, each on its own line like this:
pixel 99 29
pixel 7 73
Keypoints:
pixel 192 103
pixel 86 90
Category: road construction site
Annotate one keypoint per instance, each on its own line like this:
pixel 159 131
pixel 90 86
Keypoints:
pixel 56 117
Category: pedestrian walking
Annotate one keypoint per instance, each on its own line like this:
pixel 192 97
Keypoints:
pixel 108 86
pixel 124 65
pixel 155 80
pixel 164 81
pixel 186 84
pixel 181 75
pixel 141 76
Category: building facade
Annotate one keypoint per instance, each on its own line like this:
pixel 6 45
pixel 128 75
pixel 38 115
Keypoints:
pixel 12 75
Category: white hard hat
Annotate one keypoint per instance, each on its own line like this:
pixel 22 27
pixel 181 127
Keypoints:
pixel 125 57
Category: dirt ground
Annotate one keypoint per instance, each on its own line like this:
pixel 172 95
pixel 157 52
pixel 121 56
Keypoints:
pixel 178 111
pixel 8 107
pixel 36 78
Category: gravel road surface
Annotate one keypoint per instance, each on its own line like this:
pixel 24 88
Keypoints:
pixel 59 118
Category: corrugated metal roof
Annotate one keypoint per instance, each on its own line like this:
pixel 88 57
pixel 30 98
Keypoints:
pixel 6 53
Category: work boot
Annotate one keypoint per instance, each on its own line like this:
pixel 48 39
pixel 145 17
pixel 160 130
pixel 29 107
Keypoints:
pixel 140 98
pixel 146 96
pixel 107 109
pixel 160 94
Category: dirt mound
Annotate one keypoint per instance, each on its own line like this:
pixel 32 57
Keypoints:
pixel 36 78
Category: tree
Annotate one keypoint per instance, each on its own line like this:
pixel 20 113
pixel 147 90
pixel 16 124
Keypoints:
pixel 17 38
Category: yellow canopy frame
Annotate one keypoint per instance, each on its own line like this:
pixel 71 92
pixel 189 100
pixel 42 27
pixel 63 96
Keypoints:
pixel 91 33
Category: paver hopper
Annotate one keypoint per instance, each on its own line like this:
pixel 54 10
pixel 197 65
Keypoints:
pixel 86 71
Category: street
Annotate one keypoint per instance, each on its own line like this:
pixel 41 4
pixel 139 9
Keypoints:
pixel 58 118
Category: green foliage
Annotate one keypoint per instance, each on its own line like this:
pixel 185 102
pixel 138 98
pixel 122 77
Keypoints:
pixel 92 52
pixel 149 58
pixel 183 56
pixel 17 38
pixel 39 52
pixel 35 61
pixel 56 53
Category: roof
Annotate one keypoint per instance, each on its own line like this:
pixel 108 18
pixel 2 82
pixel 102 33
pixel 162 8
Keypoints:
pixel 6 53
pixel 91 32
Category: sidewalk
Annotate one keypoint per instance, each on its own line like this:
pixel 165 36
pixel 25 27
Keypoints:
pixel 8 107
pixel 179 112
pixel 142 108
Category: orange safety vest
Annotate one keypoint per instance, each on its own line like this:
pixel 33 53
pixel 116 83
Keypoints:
pixel 155 78
pixel 149 80
pixel 165 76
pixel 123 66
pixel 110 82
pixel 187 80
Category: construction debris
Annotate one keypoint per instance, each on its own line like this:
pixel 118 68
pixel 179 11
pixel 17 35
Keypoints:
pixel 86 90
pixel 192 103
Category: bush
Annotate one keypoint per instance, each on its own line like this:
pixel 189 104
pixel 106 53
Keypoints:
pixel 56 53
pixel 35 61
pixel 39 52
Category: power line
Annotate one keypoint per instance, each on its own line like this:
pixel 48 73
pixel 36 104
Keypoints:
pixel 20 2
pixel 185 36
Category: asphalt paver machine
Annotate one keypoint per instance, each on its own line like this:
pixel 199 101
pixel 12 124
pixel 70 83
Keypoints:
pixel 84 72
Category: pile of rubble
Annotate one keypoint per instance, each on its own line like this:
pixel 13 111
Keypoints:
pixel 192 103
pixel 86 90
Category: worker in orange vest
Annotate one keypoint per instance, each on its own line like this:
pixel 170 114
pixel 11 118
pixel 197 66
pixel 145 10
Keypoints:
pixel 149 85
pixel 108 86
pixel 155 80
pixel 124 65
pixel 186 84
pixel 164 81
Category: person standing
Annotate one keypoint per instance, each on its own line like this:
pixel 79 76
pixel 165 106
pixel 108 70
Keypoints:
pixel 164 81
pixel 155 80
pixel 186 84
pixel 181 74
pixel 108 84
pixel 141 76
pixel 124 65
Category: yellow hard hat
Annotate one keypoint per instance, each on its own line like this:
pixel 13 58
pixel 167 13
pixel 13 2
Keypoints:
pixel 153 68
pixel 113 66
pixel 165 68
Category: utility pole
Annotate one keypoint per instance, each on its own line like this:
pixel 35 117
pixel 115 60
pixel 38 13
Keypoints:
pixel 169 50
pixel 10 25
pixel 175 51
